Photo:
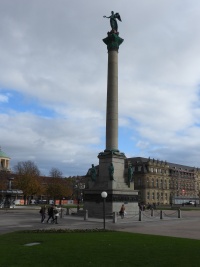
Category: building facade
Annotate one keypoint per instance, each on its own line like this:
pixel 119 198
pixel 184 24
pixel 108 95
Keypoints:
pixel 158 182
pixel 161 182
pixel 4 161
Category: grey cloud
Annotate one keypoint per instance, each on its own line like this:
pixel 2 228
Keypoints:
pixel 52 51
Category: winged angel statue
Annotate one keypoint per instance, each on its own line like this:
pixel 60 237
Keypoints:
pixel 113 21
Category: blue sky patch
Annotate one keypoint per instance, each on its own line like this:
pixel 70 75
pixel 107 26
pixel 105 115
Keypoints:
pixel 20 103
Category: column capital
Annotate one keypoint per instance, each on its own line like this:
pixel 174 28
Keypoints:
pixel 113 41
pixel 111 154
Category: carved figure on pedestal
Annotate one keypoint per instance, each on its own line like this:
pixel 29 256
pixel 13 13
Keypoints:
pixel 111 171
pixel 113 21
pixel 93 173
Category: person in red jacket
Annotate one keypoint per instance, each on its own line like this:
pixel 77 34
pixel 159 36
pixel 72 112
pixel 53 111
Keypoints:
pixel 122 211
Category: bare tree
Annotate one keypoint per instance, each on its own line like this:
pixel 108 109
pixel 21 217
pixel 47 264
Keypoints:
pixel 27 179
pixel 55 173
pixel 58 187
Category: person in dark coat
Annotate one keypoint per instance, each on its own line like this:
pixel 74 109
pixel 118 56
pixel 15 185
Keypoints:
pixel 43 213
pixel 51 213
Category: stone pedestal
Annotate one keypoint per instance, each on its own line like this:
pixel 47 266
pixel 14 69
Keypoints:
pixel 93 202
pixel 118 190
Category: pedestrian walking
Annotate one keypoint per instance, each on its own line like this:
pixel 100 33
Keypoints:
pixel 122 211
pixel 43 213
pixel 51 213
pixel 56 215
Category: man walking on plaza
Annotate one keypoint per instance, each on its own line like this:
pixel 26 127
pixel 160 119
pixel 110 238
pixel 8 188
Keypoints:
pixel 51 213
pixel 43 213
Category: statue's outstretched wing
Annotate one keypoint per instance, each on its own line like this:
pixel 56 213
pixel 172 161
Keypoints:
pixel 117 15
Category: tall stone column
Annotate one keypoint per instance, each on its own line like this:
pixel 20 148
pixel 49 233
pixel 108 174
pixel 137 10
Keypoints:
pixel 111 175
pixel 112 41
pixel 111 157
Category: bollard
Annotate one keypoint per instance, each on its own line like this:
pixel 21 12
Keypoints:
pixel 86 215
pixel 61 212
pixel 67 211
pixel 152 212
pixel 161 214
pixel 140 215
pixel 114 217
pixel 179 213
pixel 78 208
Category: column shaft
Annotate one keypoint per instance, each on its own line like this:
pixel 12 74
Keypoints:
pixel 112 102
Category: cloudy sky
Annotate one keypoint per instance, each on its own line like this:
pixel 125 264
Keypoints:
pixel 53 81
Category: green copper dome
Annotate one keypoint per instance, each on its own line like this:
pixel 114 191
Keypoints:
pixel 3 155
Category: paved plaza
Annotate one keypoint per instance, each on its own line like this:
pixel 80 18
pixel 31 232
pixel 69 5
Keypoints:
pixel 188 226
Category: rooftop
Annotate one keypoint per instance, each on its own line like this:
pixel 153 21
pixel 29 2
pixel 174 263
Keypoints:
pixel 3 154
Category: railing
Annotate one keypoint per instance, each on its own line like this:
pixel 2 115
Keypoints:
pixel 147 215
pixel 142 215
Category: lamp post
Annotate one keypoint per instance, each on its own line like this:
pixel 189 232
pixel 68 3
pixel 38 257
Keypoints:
pixel 104 196
pixel 10 179
pixel 76 190
pixel 8 200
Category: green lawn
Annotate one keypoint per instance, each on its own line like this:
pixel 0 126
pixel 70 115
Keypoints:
pixel 97 249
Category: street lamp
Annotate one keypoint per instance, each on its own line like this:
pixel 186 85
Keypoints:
pixel 104 196
pixel 10 179
pixel 76 190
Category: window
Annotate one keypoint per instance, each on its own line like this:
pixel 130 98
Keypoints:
pixel 153 195
pixel 151 169
pixel 157 183
pixel 148 195
pixel 139 168
pixel 152 182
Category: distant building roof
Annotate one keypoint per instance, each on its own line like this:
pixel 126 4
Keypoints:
pixel 3 154
pixel 171 165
